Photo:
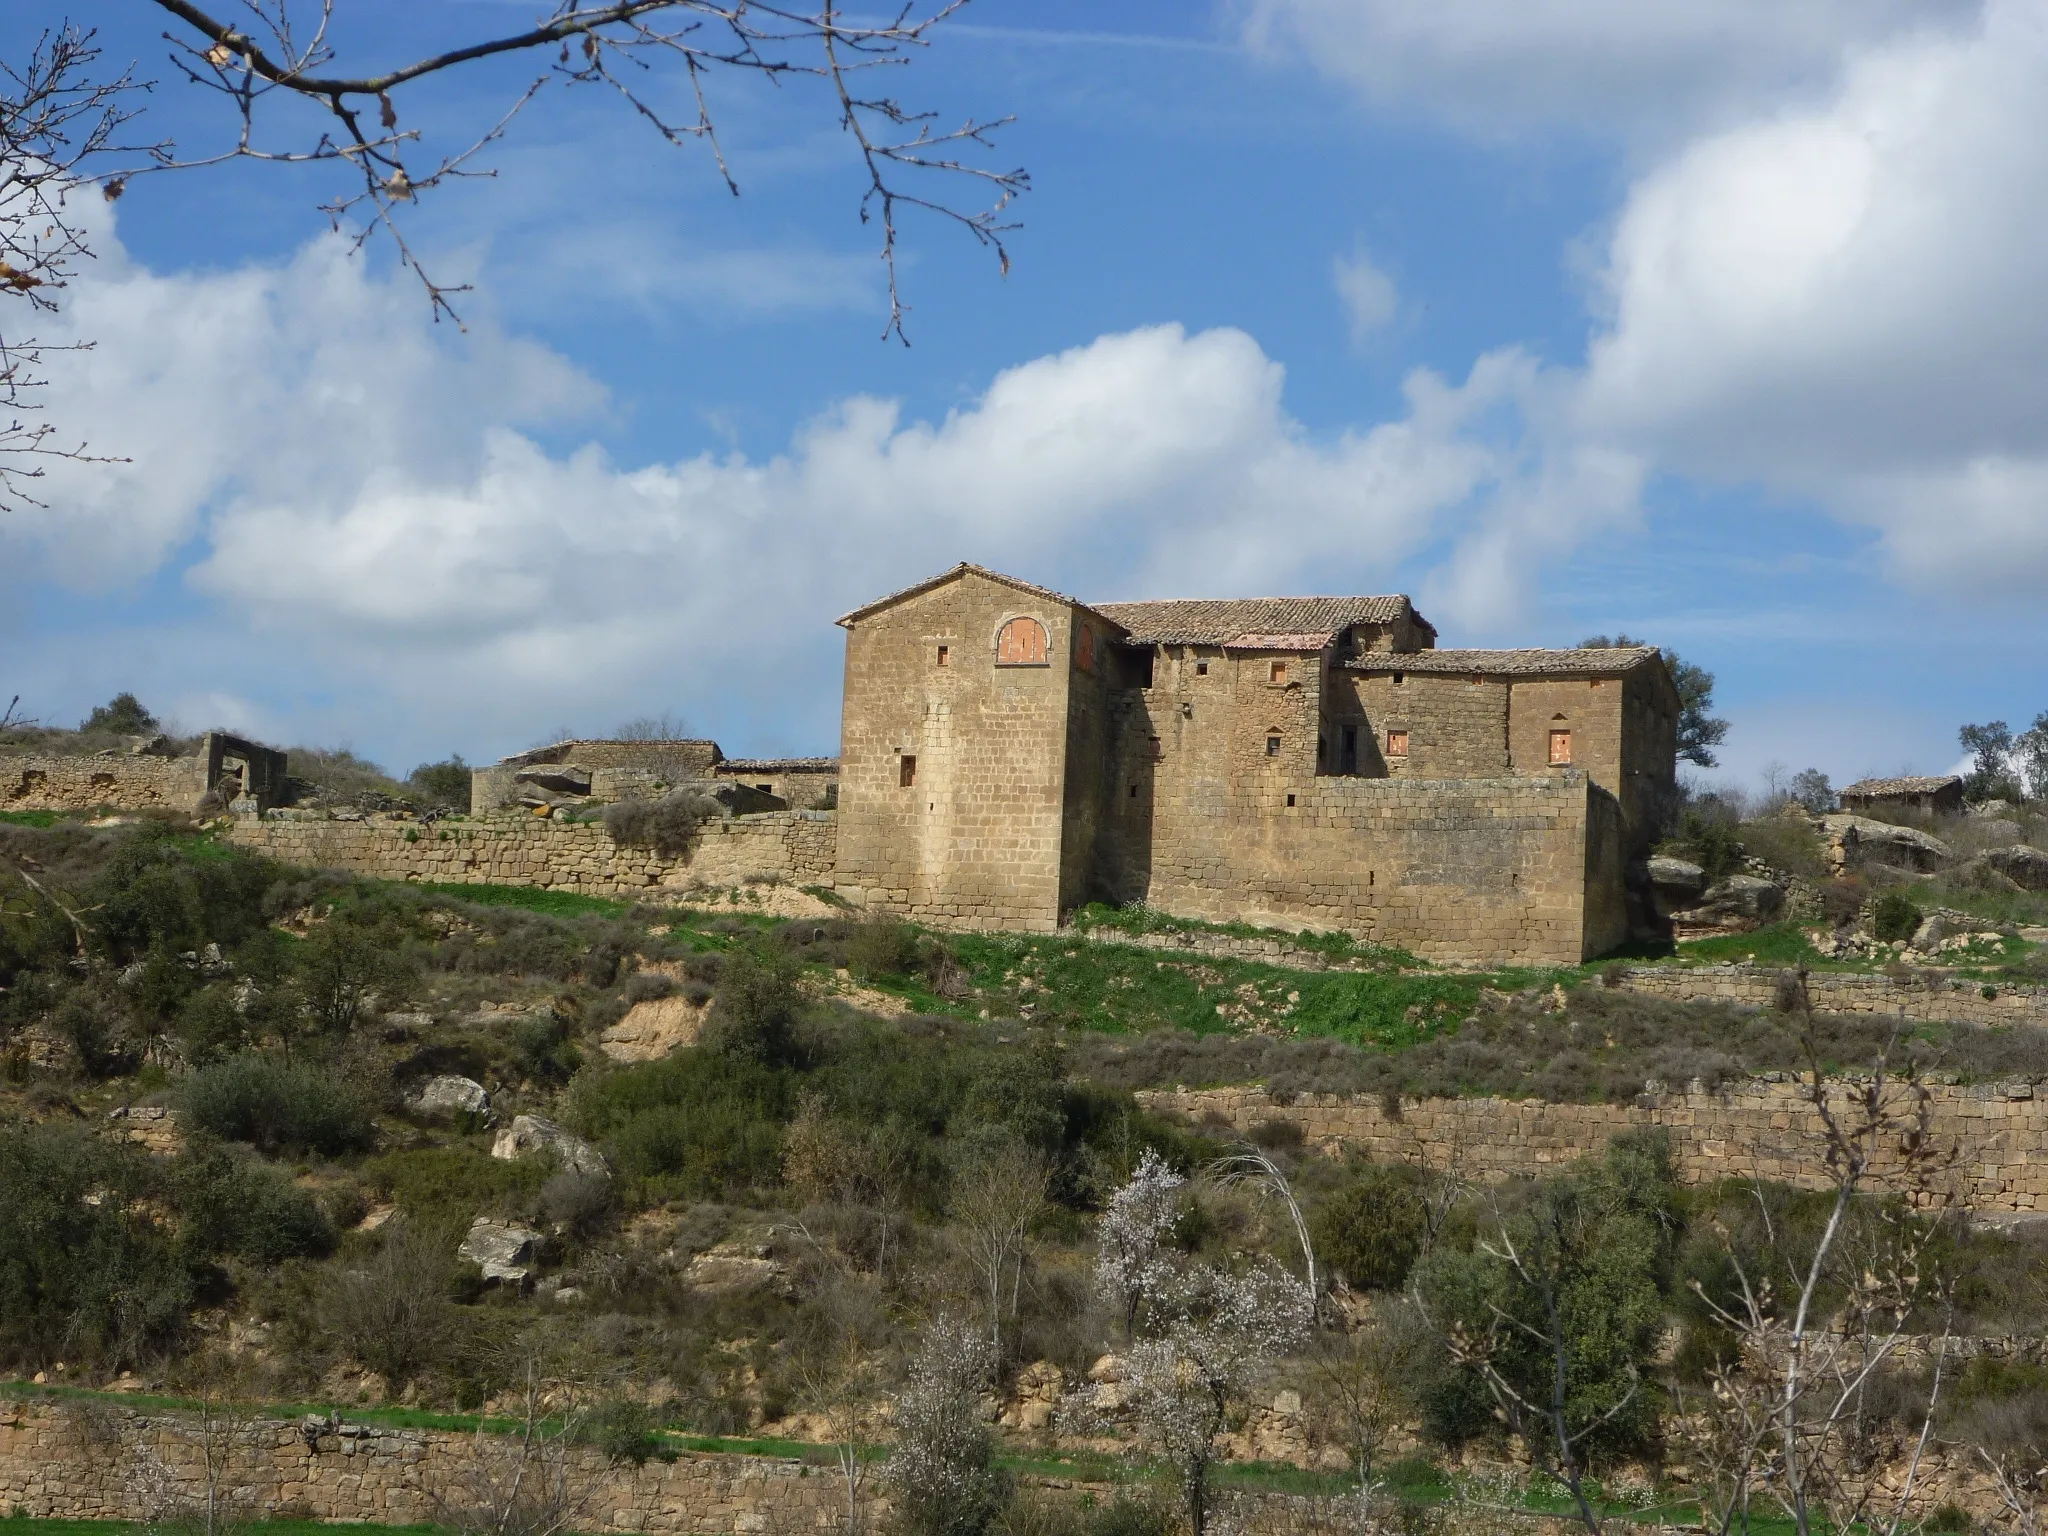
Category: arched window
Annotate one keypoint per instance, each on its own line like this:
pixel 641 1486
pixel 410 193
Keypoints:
pixel 1021 643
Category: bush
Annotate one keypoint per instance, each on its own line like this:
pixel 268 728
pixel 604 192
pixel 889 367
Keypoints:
pixel 276 1106
pixel 392 1312
pixel 122 715
pixel 668 825
pixel 882 947
pixel 87 1272
pixel 1894 916
pixel 754 1017
pixel 444 783
pixel 237 1206
pixel 445 1186
pixel 625 1432
pixel 1372 1230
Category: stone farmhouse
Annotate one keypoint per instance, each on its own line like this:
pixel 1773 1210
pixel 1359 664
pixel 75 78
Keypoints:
pixel 1008 753
pixel 622 770
pixel 1943 793
pixel 153 773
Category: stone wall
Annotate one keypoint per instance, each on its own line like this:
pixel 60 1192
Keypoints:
pixel 1453 870
pixel 91 783
pixel 1761 1129
pixel 1930 996
pixel 96 1460
pixel 795 847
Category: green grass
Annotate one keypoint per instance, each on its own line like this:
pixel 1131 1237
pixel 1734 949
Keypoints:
pixel 30 818
pixel 1140 920
pixel 1773 944
pixel 532 899
pixel 1118 988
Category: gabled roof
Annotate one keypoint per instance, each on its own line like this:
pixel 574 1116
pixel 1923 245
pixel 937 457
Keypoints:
pixel 1905 786
pixel 1530 663
pixel 964 568
pixel 1219 621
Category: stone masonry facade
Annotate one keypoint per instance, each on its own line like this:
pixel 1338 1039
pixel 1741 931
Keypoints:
pixel 790 847
pixel 1761 1129
pixel 1008 753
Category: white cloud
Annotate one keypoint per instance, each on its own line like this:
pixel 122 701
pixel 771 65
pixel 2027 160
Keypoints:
pixel 1843 302
pixel 353 496
pixel 1638 67
pixel 1366 293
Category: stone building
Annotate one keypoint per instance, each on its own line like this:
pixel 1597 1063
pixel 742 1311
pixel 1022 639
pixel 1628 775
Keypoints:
pixel 1008 753
pixel 1944 793
pixel 646 770
pixel 217 772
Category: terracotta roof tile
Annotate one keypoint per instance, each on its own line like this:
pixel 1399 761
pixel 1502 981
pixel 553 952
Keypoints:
pixel 1905 786
pixel 1220 620
pixel 1529 663
pixel 779 765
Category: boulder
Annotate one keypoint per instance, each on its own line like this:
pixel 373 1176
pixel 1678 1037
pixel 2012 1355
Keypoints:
pixel 531 1136
pixel 1732 905
pixel 1932 930
pixel 504 1252
pixel 1857 840
pixel 743 1262
pixel 2026 867
pixel 1676 875
pixel 452 1096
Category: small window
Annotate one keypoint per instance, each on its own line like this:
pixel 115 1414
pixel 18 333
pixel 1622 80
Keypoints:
pixel 1158 751
pixel 1290 801
pixel 1400 678
pixel 906 771
pixel 945 654
pixel 1201 669
pixel 1187 710
pixel 1560 749
pixel 1279 671
pixel 1021 643
pixel 1134 791
pixel 1084 648
pixel 1272 746
pixel 1349 750
pixel 766 789
pixel 1397 743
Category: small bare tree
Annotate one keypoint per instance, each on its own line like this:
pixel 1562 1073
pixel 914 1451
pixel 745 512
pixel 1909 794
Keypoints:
pixel 1788 1419
pixel 222 1424
pixel 837 1381
pixel 533 1480
pixel 998 1194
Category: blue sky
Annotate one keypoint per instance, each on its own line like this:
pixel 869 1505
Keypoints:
pixel 1717 323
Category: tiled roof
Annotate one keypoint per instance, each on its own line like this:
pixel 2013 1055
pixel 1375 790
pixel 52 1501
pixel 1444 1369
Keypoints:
pixel 551 753
pixel 1531 663
pixel 1907 786
pixel 963 567
pixel 779 765
pixel 1220 620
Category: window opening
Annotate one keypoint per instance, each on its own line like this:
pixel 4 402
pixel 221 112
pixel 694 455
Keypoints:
pixel 1397 743
pixel 1279 671
pixel 1290 800
pixel 945 654
pixel 1158 751
pixel 1021 643
pixel 1560 748
pixel 766 789
pixel 1084 648
pixel 1187 710
pixel 1400 678
pixel 1201 669
pixel 906 771
pixel 1347 758
pixel 1272 746
pixel 1134 791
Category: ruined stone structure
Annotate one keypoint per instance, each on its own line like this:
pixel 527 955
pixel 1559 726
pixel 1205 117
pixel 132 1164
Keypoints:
pixel 1008 753
pixel 227 770
pixel 1944 793
pixel 647 770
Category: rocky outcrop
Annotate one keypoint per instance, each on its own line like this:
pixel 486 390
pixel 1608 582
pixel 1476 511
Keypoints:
pixel 651 1029
pixel 1733 904
pixel 532 1136
pixel 450 1097
pixel 1855 842
pixel 504 1252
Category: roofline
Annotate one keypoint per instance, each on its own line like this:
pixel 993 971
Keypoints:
pixel 607 741
pixel 967 568
pixel 1404 661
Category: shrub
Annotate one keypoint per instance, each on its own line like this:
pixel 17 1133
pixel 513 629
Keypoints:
pixel 392 1312
pixel 88 1273
pixel 122 715
pixel 625 1431
pixel 444 783
pixel 668 825
pixel 276 1106
pixel 1894 916
pixel 882 947
pixel 250 1209
pixel 442 1186
pixel 754 1016
pixel 1372 1230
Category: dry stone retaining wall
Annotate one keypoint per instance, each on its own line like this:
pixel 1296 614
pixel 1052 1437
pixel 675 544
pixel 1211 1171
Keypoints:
pixel 87 783
pixel 1761 1129
pixel 1928 996
pixel 795 847
pixel 96 1460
